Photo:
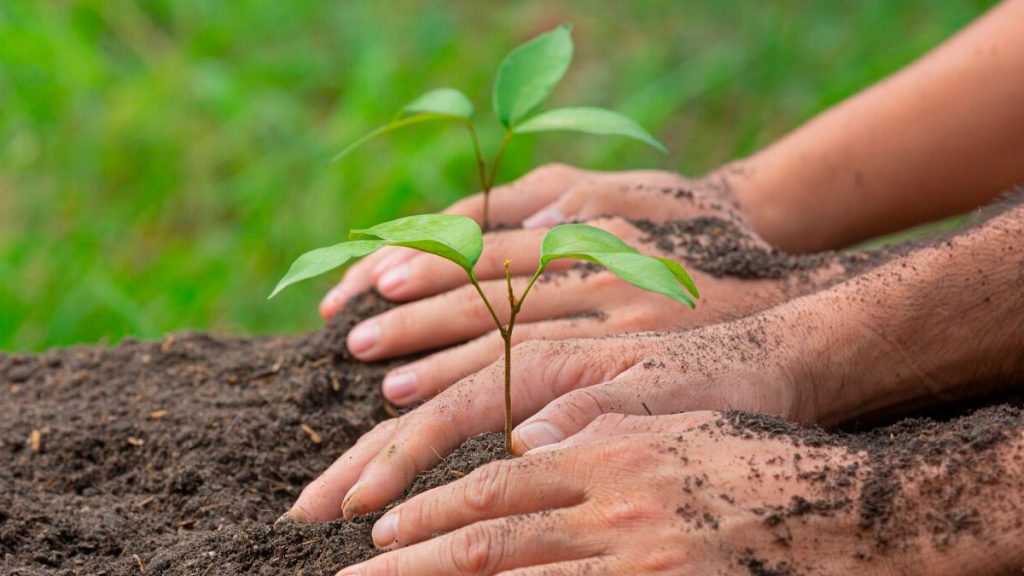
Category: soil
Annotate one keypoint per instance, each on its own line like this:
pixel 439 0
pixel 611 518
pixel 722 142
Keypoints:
pixel 722 248
pixel 176 457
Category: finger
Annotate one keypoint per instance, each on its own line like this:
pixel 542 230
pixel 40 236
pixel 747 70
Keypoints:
pixel 512 202
pixel 491 546
pixel 429 376
pixel 320 501
pixel 357 279
pixel 640 390
pixel 585 200
pixel 428 323
pixel 595 566
pixel 542 371
pixel 426 274
pixel 496 490
pixel 608 425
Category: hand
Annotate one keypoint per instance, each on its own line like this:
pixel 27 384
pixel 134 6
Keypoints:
pixel 574 304
pixel 560 387
pixel 546 196
pixel 707 493
pixel 693 495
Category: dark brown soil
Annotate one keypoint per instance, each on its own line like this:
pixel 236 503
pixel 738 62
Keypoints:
pixel 176 457
pixel 959 454
pixel 722 248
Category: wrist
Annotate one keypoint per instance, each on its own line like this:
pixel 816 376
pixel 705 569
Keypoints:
pixel 839 352
pixel 749 184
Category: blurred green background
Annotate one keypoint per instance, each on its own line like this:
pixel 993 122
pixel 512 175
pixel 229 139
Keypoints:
pixel 162 162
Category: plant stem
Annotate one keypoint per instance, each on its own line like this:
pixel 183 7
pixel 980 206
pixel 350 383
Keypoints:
pixel 494 316
pixel 513 305
pixel 489 184
pixel 481 169
pixel 497 158
pixel 508 391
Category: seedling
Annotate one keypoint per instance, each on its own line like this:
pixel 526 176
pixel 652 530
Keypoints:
pixel 524 79
pixel 460 240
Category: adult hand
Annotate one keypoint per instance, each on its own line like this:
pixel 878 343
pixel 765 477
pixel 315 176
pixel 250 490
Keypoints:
pixel 707 493
pixel 573 304
pixel 548 195
pixel 692 496
pixel 560 387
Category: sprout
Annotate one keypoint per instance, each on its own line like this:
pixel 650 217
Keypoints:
pixel 525 79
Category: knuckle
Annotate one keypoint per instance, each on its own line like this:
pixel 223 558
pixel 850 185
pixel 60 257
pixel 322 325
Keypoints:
pixel 661 560
pixel 485 487
pixel 623 512
pixel 607 422
pixel 384 428
pixel 583 405
pixel 471 550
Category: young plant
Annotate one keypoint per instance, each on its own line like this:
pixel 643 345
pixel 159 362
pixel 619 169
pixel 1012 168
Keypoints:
pixel 524 79
pixel 460 240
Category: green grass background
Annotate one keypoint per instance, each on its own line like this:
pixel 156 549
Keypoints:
pixel 162 162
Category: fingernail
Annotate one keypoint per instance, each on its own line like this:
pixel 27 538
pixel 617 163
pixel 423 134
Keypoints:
pixel 286 518
pixel 538 434
pixel 347 510
pixel 385 531
pixel 363 337
pixel 334 300
pixel 545 218
pixel 399 386
pixel 393 279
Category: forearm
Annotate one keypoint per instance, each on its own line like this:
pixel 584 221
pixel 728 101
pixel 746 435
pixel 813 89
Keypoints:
pixel 941 323
pixel 938 138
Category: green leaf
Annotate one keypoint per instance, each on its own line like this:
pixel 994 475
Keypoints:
pixel 443 101
pixel 591 121
pixel 316 262
pixel 456 238
pixel 440 104
pixel 582 242
pixel 528 74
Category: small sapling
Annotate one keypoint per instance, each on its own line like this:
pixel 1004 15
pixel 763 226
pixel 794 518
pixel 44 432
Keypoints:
pixel 460 240
pixel 524 79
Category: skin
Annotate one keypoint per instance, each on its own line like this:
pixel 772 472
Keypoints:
pixel 877 341
pixel 673 495
pixel 828 184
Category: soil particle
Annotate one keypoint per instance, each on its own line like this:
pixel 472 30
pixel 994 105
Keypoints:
pixel 757 567
pixel 897 501
pixel 723 248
